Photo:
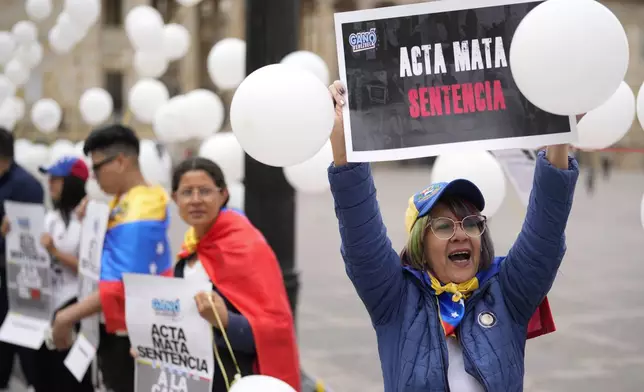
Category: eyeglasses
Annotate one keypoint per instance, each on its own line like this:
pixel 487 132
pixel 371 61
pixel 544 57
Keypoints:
pixel 97 166
pixel 445 228
pixel 203 193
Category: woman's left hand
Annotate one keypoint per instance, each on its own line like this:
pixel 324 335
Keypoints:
pixel 557 155
pixel 206 310
pixel 48 243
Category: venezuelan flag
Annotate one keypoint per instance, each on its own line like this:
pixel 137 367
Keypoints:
pixel 136 242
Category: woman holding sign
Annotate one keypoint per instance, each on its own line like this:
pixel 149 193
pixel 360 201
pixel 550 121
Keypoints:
pixel 248 307
pixel 449 315
pixel 67 178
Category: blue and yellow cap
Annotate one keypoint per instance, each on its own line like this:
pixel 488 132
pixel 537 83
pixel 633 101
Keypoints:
pixel 421 203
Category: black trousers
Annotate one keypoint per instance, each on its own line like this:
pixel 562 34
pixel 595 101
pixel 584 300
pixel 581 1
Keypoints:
pixel 53 375
pixel 8 351
pixel 115 362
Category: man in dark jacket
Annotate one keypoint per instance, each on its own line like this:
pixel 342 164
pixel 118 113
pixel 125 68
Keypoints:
pixel 16 184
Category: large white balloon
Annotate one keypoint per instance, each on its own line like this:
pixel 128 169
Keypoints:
pixel 640 105
pixel 308 61
pixel 144 28
pixel 46 115
pixel 7 46
pixel 176 41
pixel 7 88
pixel 150 64
pixel 61 148
pixel 278 133
pixel 84 12
pixel 171 121
pixel 145 97
pixel 261 383
pixel 11 111
pixel 17 72
pixel 227 63
pixel 38 10
pixel 35 156
pixel 96 105
pixel 59 42
pixel 224 149
pixel 205 112
pixel 562 78
pixel 606 125
pixel 479 167
pixel 311 176
pixel 70 28
pixel 25 32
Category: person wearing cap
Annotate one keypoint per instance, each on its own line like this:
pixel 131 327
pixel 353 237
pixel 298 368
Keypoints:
pixel 136 241
pixel 67 178
pixel 16 184
pixel 448 314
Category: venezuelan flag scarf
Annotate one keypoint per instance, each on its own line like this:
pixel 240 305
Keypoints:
pixel 451 301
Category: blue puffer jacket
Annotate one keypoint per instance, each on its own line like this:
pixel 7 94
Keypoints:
pixel 411 342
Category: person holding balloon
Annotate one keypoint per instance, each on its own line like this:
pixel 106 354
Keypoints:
pixel 248 306
pixel 448 314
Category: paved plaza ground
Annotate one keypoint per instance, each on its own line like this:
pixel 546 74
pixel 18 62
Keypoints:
pixel 598 298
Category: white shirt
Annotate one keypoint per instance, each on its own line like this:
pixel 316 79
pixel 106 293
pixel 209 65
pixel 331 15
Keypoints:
pixel 66 240
pixel 458 379
pixel 195 272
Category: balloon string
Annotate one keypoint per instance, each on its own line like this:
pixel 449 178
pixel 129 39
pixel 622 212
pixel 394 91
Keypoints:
pixel 230 349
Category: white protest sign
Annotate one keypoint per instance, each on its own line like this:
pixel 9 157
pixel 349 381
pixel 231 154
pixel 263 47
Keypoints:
pixel 172 341
pixel 84 348
pixel 519 166
pixel 28 277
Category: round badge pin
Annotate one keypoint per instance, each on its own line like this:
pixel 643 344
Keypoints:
pixel 487 319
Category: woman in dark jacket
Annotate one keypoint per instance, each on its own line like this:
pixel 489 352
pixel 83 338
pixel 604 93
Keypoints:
pixel 449 315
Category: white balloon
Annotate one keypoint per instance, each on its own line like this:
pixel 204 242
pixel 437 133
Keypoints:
pixel 224 149
pixel 25 32
pixel 70 28
pixel 18 107
pixel 78 147
pixel 279 134
pixel 188 3
pixel 30 55
pixel 58 42
pixel 640 106
pixel 21 146
pixel 94 191
pixel 152 164
pixel 562 78
pixel 479 167
pixel 606 125
pixel 35 156
pixel 149 64
pixel 308 61
pixel 144 28
pixel 96 105
pixel 7 46
pixel 84 12
pixel 46 115
pixel 61 148
pixel 38 10
pixel 11 111
pixel 311 176
pixel 7 88
pixel 176 41
pixel 145 97
pixel 171 122
pixel 17 72
pixel 205 112
pixel 261 383
pixel 236 195
pixel 227 63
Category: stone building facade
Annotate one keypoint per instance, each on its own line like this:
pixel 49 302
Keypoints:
pixel 104 57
